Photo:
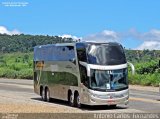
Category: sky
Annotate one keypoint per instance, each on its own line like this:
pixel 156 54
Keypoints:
pixel 133 23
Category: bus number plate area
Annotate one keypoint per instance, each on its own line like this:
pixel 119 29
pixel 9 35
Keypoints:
pixel 111 100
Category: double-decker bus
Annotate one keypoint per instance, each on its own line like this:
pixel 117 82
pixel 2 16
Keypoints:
pixel 82 73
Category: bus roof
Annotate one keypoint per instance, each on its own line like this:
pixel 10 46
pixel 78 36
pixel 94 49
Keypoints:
pixel 57 44
pixel 73 44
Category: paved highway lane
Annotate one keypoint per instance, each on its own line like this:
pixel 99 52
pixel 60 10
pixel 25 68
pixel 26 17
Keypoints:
pixel 147 101
pixel 18 96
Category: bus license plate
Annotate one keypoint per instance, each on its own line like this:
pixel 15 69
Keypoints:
pixel 111 101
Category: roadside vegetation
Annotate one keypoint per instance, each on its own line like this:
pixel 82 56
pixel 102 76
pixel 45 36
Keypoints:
pixel 16 58
pixel 16 65
pixel 147 66
pixel 147 74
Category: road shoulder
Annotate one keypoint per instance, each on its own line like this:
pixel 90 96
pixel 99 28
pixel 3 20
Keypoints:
pixel 144 88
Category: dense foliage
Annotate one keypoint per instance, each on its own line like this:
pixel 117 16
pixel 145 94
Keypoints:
pixel 16 65
pixel 147 65
pixel 25 43
pixel 137 56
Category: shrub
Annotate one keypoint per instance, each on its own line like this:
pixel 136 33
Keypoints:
pixel 8 73
pixel 144 79
pixel 25 74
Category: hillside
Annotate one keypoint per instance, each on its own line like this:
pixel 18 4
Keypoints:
pixel 25 43
pixel 137 56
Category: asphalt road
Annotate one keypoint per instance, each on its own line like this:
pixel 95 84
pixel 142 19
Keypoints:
pixel 20 92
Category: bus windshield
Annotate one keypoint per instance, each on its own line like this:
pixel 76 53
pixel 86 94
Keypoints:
pixel 109 80
pixel 105 54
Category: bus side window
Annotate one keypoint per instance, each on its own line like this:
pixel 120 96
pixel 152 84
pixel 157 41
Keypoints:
pixel 83 75
pixel 81 52
pixel 71 54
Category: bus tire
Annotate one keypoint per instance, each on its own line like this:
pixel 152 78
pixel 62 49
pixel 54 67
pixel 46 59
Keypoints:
pixel 41 89
pixel 71 99
pixel 47 95
pixel 77 100
pixel 43 94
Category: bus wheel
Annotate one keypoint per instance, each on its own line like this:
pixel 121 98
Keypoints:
pixel 47 95
pixel 77 100
pixel 71 99
pixel 43 94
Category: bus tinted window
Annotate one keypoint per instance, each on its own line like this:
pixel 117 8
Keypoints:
pixel 81 52
pixel 105 54
pixel 83 75
pixel 51 53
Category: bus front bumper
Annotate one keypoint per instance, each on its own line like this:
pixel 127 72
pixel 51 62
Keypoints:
pixel 120 97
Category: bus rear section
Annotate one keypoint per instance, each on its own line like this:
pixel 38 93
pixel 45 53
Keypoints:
pixel 55 72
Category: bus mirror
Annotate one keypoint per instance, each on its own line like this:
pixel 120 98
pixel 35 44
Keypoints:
pixel 132 67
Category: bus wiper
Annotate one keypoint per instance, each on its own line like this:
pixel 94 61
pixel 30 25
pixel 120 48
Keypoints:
pixel 99 89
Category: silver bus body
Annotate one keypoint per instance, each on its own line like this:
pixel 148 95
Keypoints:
pixel 82 73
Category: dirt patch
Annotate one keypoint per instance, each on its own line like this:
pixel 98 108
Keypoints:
pixel 30 108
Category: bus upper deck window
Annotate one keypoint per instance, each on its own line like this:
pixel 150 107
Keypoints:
pixel 81 52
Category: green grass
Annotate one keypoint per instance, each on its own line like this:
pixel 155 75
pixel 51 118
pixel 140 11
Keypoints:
pixel 145 79
pixel 16 65
pixel 147 73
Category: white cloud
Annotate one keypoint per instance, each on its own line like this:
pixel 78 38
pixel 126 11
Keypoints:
pixel 104 36
pixel 152 35
pixel 151 39
pixel 4 30
pixel 70 36
pixel 150 45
